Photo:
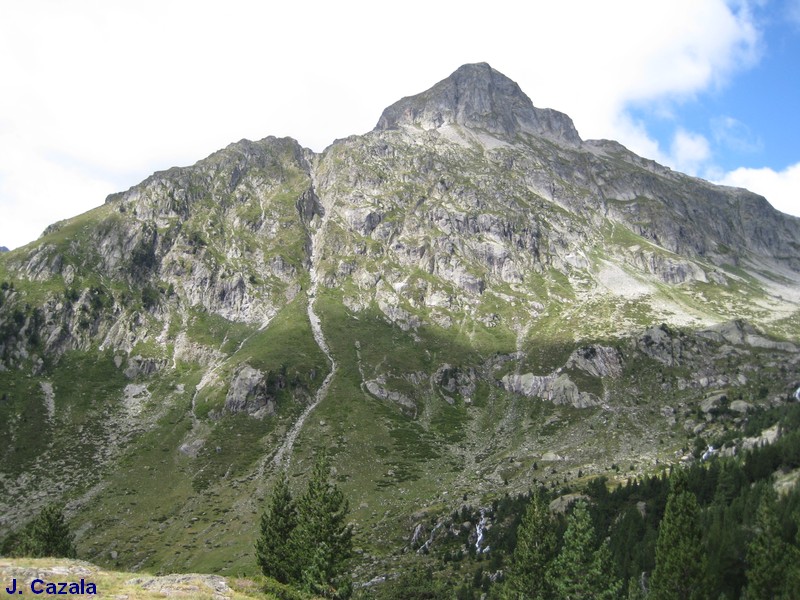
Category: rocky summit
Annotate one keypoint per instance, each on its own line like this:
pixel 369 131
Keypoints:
pixel 463 302
pixel 478 97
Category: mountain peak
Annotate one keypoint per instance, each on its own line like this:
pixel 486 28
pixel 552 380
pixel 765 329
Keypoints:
pixel 479 97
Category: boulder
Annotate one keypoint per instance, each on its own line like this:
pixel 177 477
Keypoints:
pixel 248 392
pixel 740 406
pixel 713 402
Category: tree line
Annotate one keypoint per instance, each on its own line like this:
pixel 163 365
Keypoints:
pixel 714 530
pixel 697 554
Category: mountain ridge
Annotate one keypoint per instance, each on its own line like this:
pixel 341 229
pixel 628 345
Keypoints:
pixel 462 301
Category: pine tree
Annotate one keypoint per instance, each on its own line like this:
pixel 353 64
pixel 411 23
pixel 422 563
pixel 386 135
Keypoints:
pixel 322 541
pixel 793 576
pixel 48 535
pixel 726 545
pixel 605 584
pixel 318 577
pixel 273 548
pixel 580 572
pixel 535 549
pixel 635 589
pixel 680 556
pixel 767 555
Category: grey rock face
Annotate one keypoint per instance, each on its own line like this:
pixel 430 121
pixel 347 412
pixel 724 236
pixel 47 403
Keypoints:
pixel 556 387
pixel 741 333
pixel 767 437
pixel 477 96
pixel 713 402
pixel 143 367
pixel 455 380
pixel 249 393
pixel 660 343
pixel 741 406
pixel 377 387
pixel 598 361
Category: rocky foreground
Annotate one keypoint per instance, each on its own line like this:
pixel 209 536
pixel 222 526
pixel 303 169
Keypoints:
pixel 120 585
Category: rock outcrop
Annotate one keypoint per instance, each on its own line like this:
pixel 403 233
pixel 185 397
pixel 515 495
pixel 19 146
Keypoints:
pixel 556 387
pixel 741 333
pixel 597 361
pixel 250 392
pixel 478 97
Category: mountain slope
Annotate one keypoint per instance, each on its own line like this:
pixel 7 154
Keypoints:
pixel 465 299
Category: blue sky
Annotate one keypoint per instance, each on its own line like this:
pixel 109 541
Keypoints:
pixel 97 95
pixel 750 119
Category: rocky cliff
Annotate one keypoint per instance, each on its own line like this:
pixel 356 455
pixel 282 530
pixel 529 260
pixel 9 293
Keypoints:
pixel 445 302
pixel 478 97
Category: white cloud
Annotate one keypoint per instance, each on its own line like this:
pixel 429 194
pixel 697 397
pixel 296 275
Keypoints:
pixel 689 152
pixel 103 93
pixel 780 188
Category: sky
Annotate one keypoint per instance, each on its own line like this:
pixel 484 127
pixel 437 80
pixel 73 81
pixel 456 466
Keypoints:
pixel 97 95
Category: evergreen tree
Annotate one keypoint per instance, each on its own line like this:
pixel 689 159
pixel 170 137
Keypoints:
pixel 627 543
pixel 725 541
pixel 535 549
pixel 767 555
pixel 605 585
pixel 580 572
pixel 318 575
pixel 635 589
pixel 48 535
pixel 793 576
pixel 322 540
pixel 680 556
pixel 273 549
pixel 729 483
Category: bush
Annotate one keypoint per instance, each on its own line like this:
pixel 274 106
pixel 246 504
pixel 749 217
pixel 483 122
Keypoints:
pixel 413 584
pixel 150 297
pixel 283 591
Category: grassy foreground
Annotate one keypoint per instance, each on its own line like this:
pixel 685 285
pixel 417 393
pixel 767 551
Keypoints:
pixel 129 586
